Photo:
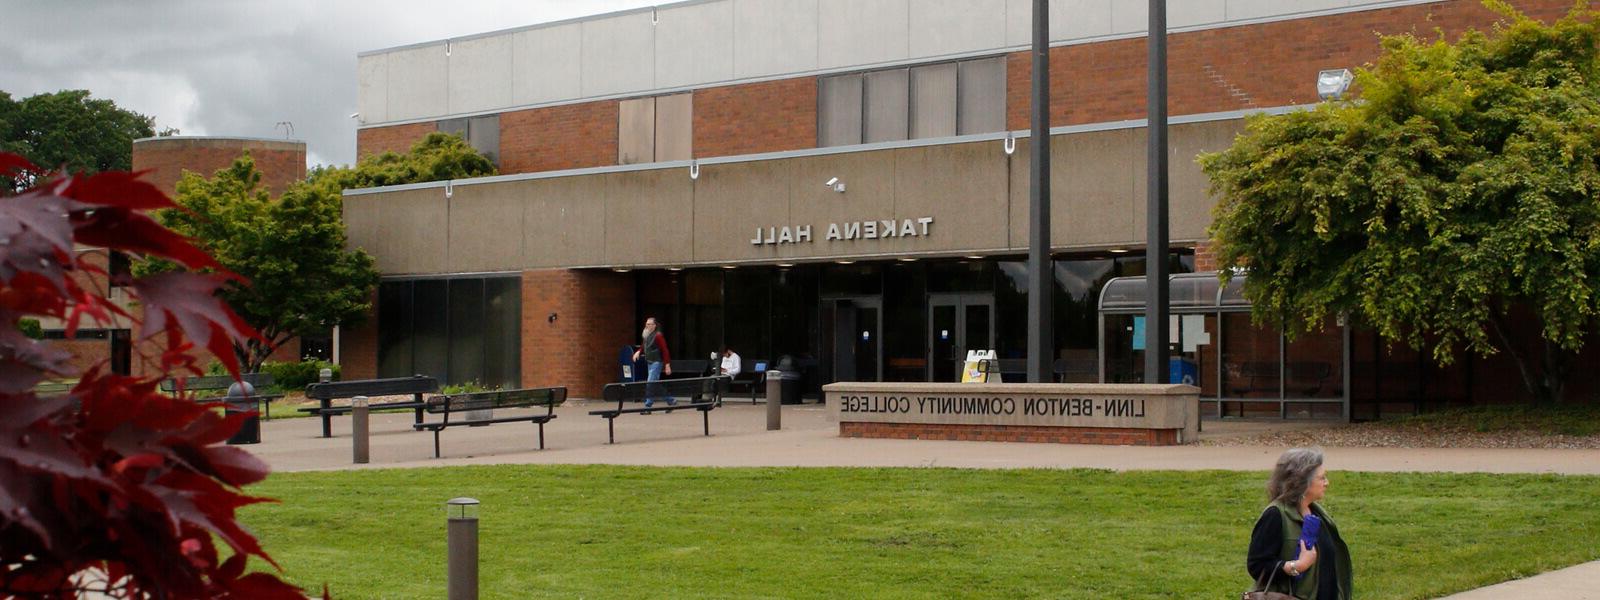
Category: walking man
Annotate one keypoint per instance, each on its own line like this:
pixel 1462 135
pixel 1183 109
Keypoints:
pixel 653 347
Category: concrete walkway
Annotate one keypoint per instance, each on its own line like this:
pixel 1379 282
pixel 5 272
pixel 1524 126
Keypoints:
pixel 810 439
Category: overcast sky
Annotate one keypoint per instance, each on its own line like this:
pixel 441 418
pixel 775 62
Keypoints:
pixel 239 67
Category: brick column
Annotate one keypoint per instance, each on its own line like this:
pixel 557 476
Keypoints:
pixel 358 346
pixel 594 313
pixel 1205 259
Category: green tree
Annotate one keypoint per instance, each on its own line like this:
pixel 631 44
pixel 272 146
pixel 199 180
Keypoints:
pixel 1459 190
pixel 68 129
pixel 301 279
pixel 436 157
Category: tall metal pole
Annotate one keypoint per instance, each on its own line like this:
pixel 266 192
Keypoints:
pixel 1155 249
pixel 1041 280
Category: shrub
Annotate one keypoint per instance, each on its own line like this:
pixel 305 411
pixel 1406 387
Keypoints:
pixel 295 375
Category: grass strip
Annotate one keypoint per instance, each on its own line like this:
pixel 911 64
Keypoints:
pixel 640 532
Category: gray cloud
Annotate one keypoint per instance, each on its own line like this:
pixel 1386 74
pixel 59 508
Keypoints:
pixel 238 68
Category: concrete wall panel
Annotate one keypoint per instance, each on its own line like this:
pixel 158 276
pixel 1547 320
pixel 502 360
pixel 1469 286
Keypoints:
pixel 1255 9
pixel 545 64
pixel 861 32
pixel 942 27
pixel 412 232
pixel 1189 199
pixel 1188 13
pixel 869 196
pixel 372 88
pixel 417 83
pixel 486 228
pixel 963 187
pixel 649 217
pixel 565 222
pixel 360 215
pixel 694 44
pixel 774 36
pixel 480 74
pixel 1092 181
pixel 618 54
pixel 731 201
pixel 1069 19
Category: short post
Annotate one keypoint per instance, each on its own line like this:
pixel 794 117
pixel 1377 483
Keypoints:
pixel 462 542
pixel 774 400
pixel 325 375
pixel 358 430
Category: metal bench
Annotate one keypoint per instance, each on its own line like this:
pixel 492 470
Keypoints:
pixel 698 393
pixel 178 385
pixel 326 392
pixel 466 404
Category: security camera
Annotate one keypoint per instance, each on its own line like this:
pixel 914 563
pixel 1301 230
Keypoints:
pixel 354 115
pixel 831 182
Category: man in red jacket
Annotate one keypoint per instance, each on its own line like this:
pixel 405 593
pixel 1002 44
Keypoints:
pixel 653 347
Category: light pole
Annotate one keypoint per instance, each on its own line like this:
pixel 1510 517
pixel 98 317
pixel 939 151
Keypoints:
pixel 1041 333
pixel 1155 249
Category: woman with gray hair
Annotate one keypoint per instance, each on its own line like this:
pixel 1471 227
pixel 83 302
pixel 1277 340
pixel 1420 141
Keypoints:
pixel 1278 554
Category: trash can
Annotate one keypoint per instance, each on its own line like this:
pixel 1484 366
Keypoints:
pixel 783 386
pixel 1183 371
pixel 241 398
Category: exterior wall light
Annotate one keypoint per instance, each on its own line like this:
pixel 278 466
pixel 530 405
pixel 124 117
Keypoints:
pixel 1332 83
pixel 694 169
pixel 1010 145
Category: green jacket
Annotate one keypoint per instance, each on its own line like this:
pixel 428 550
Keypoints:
pixel 1306 588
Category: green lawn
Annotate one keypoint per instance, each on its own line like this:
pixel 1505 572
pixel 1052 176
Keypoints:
pixel 635 532
pixel 1567 419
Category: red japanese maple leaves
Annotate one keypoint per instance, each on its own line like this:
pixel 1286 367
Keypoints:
pixel 115 487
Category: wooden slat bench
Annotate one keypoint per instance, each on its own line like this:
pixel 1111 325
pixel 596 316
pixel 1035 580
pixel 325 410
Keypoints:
pixel 326 392
pixel 464 404
pixel 698 393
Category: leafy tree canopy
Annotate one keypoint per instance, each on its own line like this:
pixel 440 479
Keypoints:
pixel 70 130
pixel 301 279
pixel 1461 187
pixel 437 157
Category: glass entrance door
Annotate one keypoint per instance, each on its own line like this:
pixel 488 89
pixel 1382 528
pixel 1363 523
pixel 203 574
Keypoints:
pixel 957 323
pixel 856 331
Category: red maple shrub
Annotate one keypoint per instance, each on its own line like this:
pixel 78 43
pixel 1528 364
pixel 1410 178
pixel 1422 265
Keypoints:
pixel 114 487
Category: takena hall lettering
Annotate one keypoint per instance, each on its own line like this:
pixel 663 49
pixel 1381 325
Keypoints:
pixel 852 230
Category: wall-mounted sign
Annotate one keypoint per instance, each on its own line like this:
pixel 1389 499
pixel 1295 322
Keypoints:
pixel 852 230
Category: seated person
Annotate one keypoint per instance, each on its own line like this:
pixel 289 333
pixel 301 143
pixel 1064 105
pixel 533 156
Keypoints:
pixel 730 363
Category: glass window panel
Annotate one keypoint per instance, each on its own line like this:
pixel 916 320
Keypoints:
pixel 886 105
pixel 431 328
pixel 1314 364
pixel 795 323
pixel 675 127
pixel 933 101
pixel 905 297
pixel 394 329
pixel 851 280
pixel 1123 292
pixel 962 276
pixel 1249 358
pixel 466 331
pixel 1123 363
pixel 455 126
pixel 1011 310
pixel 636 127
pixel 702 314
pixel 483 134
pixel 839 110
pixel 982 101
pixel 747 312
pixel 1078 285
pixel 502 332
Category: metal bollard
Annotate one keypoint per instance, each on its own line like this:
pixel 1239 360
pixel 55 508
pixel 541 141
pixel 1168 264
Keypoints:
pixel 462 542
pixel 325 375
pixel 358 430
pixel 774 400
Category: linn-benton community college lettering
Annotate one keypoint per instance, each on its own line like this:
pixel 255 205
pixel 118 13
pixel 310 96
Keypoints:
pixel 853 230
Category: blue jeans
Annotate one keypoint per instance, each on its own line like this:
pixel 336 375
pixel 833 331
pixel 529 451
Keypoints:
pixel 652 390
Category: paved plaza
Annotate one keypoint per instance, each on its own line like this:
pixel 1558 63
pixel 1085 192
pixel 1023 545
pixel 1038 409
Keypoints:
pixel 810 439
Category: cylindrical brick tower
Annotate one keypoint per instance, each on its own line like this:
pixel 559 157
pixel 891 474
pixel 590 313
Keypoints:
pixel 281 162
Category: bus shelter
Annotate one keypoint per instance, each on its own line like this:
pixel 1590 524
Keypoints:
pixel 1241 368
